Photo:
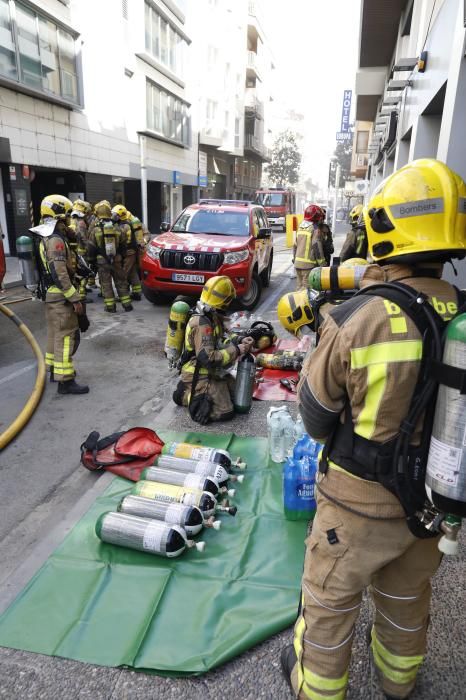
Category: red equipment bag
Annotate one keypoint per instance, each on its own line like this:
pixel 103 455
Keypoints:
pixel 125 454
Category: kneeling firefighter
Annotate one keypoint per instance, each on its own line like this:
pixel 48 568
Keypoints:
pixel 206 386
pixel 369 395
pixel 64 311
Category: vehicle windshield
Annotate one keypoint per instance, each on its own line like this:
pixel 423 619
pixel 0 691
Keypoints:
pixel 220 221
pixel 270 199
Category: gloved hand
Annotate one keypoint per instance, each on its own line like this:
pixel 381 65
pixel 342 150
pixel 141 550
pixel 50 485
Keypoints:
pixel 246 345
pixel 200 408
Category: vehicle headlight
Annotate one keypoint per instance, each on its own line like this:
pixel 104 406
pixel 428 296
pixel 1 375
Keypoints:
pixel 153 252
pixel 236 256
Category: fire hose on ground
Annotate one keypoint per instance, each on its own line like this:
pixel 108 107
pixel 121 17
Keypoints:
pixel 31 404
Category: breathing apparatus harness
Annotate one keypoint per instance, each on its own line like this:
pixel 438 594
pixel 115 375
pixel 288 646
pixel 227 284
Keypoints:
pixel 397 464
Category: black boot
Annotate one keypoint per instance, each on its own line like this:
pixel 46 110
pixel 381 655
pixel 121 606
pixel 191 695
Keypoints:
pixel 135 296
pixel 110 309
pixel 287 662
pixel 71 387
pixel 128 307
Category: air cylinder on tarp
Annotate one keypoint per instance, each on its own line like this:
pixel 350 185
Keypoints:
pixel 198 467
pixel 150 536
pixel 27 262
pixel 244 385
pixel 446 465
pixel 204 500
pixel 206 454
pixel 169 476
pixel 189 518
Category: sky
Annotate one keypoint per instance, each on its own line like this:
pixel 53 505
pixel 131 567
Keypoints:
pixel 315 49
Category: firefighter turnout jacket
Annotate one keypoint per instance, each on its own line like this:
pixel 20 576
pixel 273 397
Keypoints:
pixel 308 250
pixel 213 357
pixel 59 264
pixel 355 245
pixel 364 370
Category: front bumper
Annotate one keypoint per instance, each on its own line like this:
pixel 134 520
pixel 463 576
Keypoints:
pixel 159 278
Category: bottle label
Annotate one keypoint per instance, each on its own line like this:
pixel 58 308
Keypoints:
pixel 172 516
pixel 192 481
pixel 305 491
pixel 152 539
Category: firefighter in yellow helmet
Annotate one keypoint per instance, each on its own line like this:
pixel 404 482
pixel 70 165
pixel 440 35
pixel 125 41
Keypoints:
pixel 356 398
pixel 206 385
pixel 132 229
pixel 355 245
pixel 80 219
pixel 64 311
pixel 106 249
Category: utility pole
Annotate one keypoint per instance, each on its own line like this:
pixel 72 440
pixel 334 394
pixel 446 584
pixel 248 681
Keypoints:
pixel 335 196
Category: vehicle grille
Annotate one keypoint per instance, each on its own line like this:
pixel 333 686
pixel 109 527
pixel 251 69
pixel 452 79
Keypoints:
pixel 174 259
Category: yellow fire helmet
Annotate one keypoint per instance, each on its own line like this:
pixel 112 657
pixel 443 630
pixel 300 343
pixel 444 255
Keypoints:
pixel 81 208
pixel 355 213
pixel 218 292
pixel 417 214
pixel 55 206
pixel 354 262
pixel 120 212
pixel 294 311
pixel 103 210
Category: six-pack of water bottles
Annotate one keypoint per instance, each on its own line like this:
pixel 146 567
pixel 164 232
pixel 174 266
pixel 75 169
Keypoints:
pixel 289 443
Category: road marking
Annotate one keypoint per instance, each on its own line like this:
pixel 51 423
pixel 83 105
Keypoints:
pixel 18 373
pixel 101 331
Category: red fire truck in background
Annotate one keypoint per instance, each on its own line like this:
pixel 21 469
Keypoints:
pixel 277 202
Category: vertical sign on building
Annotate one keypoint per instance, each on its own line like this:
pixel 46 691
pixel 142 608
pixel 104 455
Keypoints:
pixel 345 133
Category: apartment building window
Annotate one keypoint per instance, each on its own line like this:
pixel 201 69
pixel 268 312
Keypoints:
pixel 362 141
pixel 167 115
pixel 163 42
pixel 237 132
pixel 36 52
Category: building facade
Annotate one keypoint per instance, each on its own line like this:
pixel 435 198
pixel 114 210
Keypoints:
pixel 411 86
pixel 89 93
pixel 229 65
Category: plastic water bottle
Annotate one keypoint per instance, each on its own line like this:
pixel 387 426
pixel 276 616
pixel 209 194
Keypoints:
pixel 304 447
pixel 288 434
pixel 275 432
pixel 299 487
pixel 298 428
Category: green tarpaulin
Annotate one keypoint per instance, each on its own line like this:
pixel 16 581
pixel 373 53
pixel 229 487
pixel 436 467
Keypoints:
pixel 110 606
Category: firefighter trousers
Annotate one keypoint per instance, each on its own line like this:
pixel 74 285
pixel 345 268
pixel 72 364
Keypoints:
pixel 113 272
pixel 131 271
pixel 62 339
pixel 219 390
pixel 346 553
pixel 302 277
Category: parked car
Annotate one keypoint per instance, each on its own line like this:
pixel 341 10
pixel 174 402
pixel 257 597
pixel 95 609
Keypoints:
pixel 213 237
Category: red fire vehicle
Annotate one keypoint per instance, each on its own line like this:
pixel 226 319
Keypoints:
pixel 277 202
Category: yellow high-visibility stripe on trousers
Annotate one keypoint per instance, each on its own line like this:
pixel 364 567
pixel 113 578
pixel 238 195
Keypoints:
pixel 49 359
pixel 316 687
pixel 401 670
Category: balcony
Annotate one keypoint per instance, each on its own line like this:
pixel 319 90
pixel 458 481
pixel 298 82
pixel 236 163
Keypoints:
pixel 252 68
pixel 254 145
pixel 252 105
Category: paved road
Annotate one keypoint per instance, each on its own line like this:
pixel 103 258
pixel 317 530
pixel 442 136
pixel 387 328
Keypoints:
pixel 44 492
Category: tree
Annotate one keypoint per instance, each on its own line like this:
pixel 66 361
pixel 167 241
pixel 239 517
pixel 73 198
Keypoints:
pixel 343 153
pixel 286 160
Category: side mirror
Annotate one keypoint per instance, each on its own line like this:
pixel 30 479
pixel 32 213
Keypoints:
pixel 264 233
pixel 164 226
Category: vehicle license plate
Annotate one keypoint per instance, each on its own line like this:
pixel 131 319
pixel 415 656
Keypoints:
pixel 181 277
